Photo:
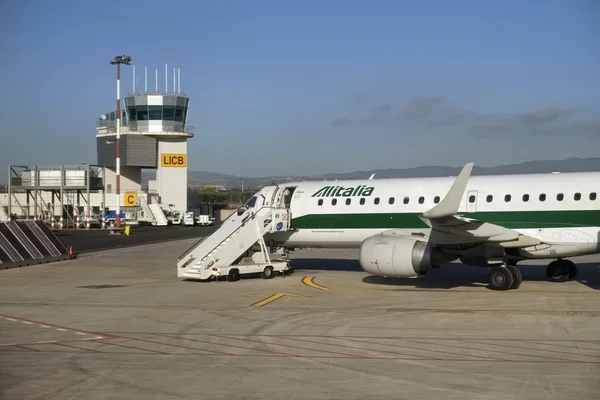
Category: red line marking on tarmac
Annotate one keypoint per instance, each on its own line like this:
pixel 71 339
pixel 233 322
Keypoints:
pixel 545 343
pixel 359 337
pixel 25 348
pixel 129 347
pixel 47 342
pixel 78 348
pixel 532 349
pixel 58 327
pixel 181 347
pixel 415 357
pixel 226 345
pixel 430 350
pixel 491 351
pixel 294 347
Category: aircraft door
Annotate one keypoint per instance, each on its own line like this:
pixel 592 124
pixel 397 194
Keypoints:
pixel 266 196
pixel 472 201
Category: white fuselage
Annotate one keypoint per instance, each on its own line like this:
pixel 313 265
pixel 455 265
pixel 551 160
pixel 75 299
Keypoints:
pixel 560 209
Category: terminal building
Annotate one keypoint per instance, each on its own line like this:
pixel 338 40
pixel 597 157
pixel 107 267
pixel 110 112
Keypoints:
pixel 153 135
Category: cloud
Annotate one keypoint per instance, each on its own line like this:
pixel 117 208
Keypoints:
pixel 431 112
pixel 437 112
pixel 543 122
pixel 377 113
pixel 421 107
pixel 544 114
pixel 382 109
pixel 341 121
pixel 372 120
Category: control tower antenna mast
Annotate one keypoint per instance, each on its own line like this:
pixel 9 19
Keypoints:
pixel 119 60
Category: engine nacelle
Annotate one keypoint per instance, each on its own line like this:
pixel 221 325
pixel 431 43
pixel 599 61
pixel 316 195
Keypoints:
pixel 399 256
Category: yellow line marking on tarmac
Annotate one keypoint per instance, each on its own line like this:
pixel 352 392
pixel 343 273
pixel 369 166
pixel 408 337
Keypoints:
pixel 308 281
pixel 272 298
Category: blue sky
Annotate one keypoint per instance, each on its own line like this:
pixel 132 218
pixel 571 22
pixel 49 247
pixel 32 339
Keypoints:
pixel 307 87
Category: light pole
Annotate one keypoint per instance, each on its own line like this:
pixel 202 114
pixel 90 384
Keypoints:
pixel 119 60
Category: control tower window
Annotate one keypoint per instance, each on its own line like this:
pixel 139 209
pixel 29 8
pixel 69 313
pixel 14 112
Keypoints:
pixel 142 113
pixel 131 113
pixel 155 112
pixel 179 110
pixel 168 113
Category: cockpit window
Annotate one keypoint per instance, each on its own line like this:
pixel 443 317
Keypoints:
pixel 251 202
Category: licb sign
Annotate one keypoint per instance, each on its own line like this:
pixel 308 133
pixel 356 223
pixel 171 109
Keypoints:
pixel 173 160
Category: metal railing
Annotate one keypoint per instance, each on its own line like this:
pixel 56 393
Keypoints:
pixel 111 126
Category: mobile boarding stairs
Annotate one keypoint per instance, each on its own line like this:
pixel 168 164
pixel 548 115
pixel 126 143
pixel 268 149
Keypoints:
pixel 238 247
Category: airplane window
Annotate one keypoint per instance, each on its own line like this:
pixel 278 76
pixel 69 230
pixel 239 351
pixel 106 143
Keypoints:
pixel 507 198
pixel 406 200
pixel 320 202
pixel 362 201
pixel 421 200
pixel 593 196
pixel 542 197
pixel 489 198
pixel 348 201
pixel 471 199
pixel 560 197
pixel 525 197
pixel 436 199
pixel 251 202
pixel 376 200
pixel 577 196
pixel 391 200
pixel 333 202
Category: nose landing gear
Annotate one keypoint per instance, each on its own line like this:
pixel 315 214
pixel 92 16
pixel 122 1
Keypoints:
pixel 561 270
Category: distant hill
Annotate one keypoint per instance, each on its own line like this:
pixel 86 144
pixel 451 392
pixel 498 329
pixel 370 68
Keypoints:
pixel 201 178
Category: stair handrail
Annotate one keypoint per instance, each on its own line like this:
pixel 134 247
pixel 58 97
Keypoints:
pixel 252 216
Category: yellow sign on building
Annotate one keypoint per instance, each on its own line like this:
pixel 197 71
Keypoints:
pixel 130 198
pixel 173 160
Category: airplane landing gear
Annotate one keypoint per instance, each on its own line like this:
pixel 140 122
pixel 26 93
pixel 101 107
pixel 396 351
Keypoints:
pixel 505 278
pixel 561 270
pixel 517 276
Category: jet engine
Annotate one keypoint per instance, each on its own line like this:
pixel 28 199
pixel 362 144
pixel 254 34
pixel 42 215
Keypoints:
pixel 399 256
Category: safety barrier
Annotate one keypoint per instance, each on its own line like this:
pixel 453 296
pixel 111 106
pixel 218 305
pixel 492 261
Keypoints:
pixel 28 243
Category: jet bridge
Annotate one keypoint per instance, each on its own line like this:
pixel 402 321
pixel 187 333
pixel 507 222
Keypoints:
pixel 28 243
pixel 237 247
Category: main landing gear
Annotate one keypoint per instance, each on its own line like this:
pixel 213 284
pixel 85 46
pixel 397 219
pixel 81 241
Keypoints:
pixel 561 270
pixel 505 277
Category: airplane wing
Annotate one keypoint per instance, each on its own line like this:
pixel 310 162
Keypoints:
pixel 447 226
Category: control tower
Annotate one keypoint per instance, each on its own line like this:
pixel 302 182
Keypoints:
pixel 153 135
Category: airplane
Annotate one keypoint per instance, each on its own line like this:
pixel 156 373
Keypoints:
pixel 405 227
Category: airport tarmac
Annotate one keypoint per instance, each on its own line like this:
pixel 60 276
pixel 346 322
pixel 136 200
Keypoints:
pixel 84 240
pixel 119 324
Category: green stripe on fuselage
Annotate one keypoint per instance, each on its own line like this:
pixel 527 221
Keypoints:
pixel 507 219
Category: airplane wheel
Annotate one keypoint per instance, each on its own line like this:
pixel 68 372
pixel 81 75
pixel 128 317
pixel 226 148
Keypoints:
pixel 517 276
pixel 558 271
pixel 267 272
pixel 233 275
pixel 501 278
pixel 572 269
